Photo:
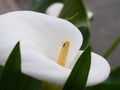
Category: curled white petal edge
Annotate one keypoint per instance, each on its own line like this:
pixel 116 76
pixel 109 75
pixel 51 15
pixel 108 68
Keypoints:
pixel 99 70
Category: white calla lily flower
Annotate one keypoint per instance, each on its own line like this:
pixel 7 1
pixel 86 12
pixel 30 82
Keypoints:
pixel 56 8
pixel 41 39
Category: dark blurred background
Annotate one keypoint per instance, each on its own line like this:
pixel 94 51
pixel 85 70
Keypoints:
pixel 105 27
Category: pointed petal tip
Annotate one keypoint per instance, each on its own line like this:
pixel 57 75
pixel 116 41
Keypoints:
pixel 99 71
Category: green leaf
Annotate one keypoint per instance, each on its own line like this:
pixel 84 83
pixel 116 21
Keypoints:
pixel 75 11
pixel 1 69
pixel 86 35
pixel 106 86
pixel 29 83
pixel 78 77
pixel 42 5
pixel 114 75
pixel 114 45
pixel 10 78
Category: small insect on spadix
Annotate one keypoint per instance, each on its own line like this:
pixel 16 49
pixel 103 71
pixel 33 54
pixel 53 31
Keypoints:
pixel 63 53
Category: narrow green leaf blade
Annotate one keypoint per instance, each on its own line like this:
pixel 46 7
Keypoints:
pixel 86 36
pixel 78 77
pixel 114 45
pixel 10 78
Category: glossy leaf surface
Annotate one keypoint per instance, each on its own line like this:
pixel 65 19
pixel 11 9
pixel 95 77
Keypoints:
pixel 78 77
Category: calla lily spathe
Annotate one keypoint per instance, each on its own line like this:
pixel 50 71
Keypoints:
pixel 41 38
pixel 55 9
